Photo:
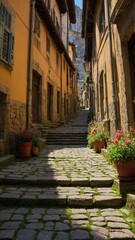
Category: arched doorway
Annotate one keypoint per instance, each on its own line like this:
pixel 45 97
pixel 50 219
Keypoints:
pixel 131 50
pixel 101 94
pixel 3 111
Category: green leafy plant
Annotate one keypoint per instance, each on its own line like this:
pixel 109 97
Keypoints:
pixel 23 136
pixel 122 147
pixel 28 135
pixel 96 133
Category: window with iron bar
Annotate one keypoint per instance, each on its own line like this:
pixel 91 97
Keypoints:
pixel 6 36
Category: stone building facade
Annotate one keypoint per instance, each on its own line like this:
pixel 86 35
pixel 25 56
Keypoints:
pixel 37 75
pixel 109 32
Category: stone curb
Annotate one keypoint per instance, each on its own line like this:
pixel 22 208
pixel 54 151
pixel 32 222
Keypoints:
pixel 6 160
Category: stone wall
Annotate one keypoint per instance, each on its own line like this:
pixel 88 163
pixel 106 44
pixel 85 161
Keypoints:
pixel 17 116
pixel 121 33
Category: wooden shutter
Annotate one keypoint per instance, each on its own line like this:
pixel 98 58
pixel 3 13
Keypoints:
pixel 11 49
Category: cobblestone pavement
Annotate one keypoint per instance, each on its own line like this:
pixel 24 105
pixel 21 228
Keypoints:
pixel 66 193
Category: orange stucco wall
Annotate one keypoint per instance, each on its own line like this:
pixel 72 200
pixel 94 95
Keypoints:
pixel 17 78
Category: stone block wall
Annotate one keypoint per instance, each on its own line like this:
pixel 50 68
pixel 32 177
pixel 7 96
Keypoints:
pixel 17 123
pixel 17 116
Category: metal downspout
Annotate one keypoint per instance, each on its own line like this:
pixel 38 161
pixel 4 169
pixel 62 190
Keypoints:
pixel 61 88
pixel 29 65
pixel 111 64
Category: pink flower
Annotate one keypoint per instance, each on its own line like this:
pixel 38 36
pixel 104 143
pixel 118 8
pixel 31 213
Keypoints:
pixel 128 143
pixel 110 140
pixel 118 134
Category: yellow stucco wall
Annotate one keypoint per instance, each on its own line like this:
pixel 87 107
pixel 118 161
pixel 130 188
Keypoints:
pixel 16 79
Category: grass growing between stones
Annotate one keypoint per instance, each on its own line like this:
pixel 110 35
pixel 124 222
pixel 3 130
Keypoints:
pixel 69 213
pixel 81 191
pixel 129 218
pixel 96 191
pixel 116 189
pixel 68 175
pixel 56 162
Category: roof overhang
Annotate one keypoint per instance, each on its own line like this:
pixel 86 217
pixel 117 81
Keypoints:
pixel 44 14
pixel 88 24
pixel 62 5
pixel 72 12
pixel 119 8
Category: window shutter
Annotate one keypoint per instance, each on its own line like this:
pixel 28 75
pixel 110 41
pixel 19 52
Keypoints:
pixel 11 49
pixel 1 40
pixel 0 12
pixel 6 45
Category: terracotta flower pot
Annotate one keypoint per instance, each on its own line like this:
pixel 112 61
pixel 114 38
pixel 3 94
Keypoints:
pixel 126 170
pixel 98 146
pixel 24 149
pixel 35 151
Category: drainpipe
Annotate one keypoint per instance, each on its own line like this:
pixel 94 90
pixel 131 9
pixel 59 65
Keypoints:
pixel 29 66
pixel 111 63
pixel 61 89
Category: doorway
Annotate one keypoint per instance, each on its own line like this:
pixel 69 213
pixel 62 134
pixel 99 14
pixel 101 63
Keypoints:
pixel 36 82
pixel 131 50
pixel 49 102
pixel 3 111
pixel 101 91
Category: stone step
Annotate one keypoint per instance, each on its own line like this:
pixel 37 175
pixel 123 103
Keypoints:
pixel 6 160
pixel 131 201
pixel 61 196
pixel 67 138
pixel 66 143
pixel 62 223
pixel 65 180
pixel 67 134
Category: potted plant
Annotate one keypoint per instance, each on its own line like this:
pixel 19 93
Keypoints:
pixel 36 135
pixel 24 143
pixel 35 147
pixel 121 152
pixel 97 136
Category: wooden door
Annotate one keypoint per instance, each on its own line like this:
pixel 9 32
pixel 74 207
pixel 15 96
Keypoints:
pixel 49 102
pixel 35 98
pixel 131 47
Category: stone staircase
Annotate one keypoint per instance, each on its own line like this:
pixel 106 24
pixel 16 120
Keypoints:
pixel 67 139
pixel 42 182
pixel 68 192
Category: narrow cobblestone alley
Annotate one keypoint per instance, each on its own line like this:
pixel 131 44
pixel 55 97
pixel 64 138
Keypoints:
pixel 66 193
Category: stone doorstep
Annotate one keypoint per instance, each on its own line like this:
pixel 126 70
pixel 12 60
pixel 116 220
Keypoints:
pixel 6 160
pixel 125 187
pixel 131 201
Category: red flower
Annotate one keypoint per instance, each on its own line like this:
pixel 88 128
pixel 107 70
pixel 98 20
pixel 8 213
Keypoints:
pixel 116 141
pixel 94 131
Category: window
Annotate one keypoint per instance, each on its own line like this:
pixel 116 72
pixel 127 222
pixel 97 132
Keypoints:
pixel 48 4
pixel 48 44
pixel 6 36
pixel 53 15
pixel 37 26
pixel 57 26
pixel 64 64
pixel 71 78
pixel 57 59
pixel 65 108
pixel 67 75
pixel 58 102
pixel 102 20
